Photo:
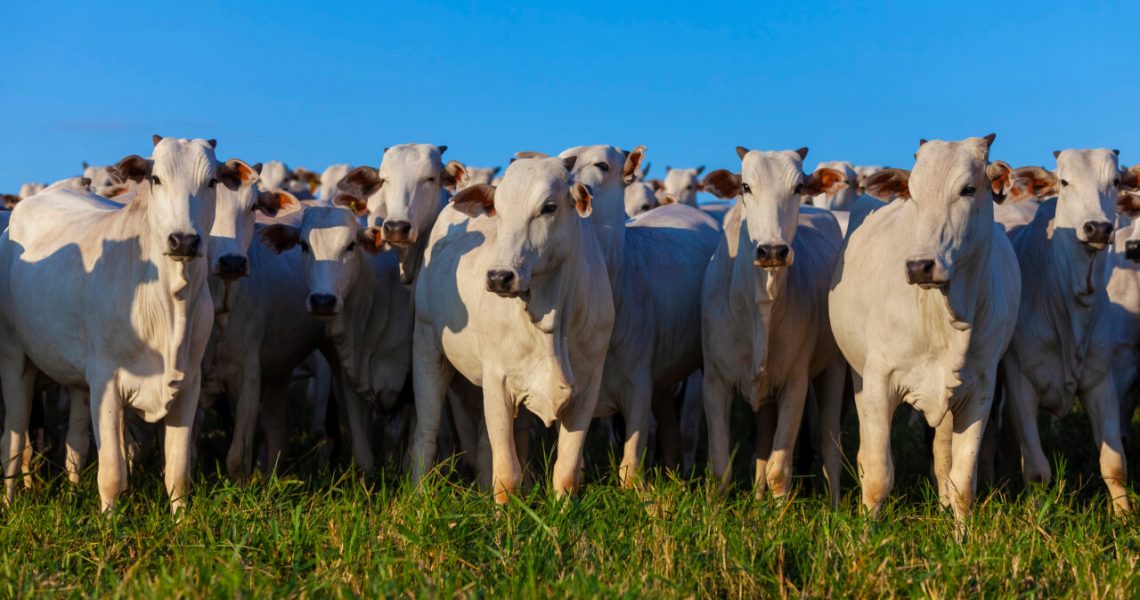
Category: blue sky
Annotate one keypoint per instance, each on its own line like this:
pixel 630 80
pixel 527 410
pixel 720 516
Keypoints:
pixel 317 83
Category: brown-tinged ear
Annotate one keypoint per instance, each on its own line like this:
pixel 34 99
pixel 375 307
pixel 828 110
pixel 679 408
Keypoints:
pixel 632 162
pixel 360 182
pixel 741 151
pixel 453 175
pixel 1027 183
pixel 583 198
pixel 371 239
pixel 309 178
pixel 658 185
pixel 530 154
pixel 476 200
pixel 824 181
pixel 116 190
pixel 1000 175
pixel 1128 203
pixel 889 184
pixel 664 199
pixel 722 183
pixel 280 238
pixel 1130 179
pixel 156 139
pixel 802 152
pixel 277 202
pixel 9 201
pixel 359 206
pixel 235 173
pixel 132 168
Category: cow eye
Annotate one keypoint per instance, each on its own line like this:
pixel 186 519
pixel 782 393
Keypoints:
pixel 549 208
pixel 605 166
pixel 745 188
pixel 1064 183
pixel 351 247
pixel 213 183
pixel 968 190
pixel 155 180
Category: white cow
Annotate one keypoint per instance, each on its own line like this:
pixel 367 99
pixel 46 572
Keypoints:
pixel 640 198
pixel 1123 266
pixel 124 309
pixel 1062 347
pixel 655 266
pixel 765 320
pixel 330 177
pixel 103 181
pixel 277 175
pixel 355 290
pixel 923 303
pixel 514 296
pixel 846 187
pixel 27 190
pixel 681 186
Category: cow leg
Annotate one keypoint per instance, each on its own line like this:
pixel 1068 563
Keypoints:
pixel 483 461
pixel 318 390
pixel 359 427
pixel 506 473
pixel 692 408
pixel 1101 403
pixel 107 420
pixel 790 412
pixel 718 401
pixel 178 449
pixel 17 378
pixel 636 430
pixel 78 433
pixel 239 459
pixel 943 457
pixel 876 409
pixel 829 394
pixel 274 415
pixel 668 429
pixel 968 428
pixel 431 374
pixel 765 419
pixel 572 428
pixel 1021 400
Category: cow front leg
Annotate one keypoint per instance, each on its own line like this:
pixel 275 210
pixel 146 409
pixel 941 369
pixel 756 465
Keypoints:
pixel 178 445
pixel 1101 402
pixel 876 409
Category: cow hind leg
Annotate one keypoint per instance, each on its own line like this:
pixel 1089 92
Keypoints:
pixel 1021 401
pixel 17 379
pixel 829 394
pixel 668 429
pixel 78 433
pixel 765 419
pixel 275 420
pixel 718 402
pixel 692 408
pixel 943 457
pixel 431 375
pixel 239 459
pixel 636 431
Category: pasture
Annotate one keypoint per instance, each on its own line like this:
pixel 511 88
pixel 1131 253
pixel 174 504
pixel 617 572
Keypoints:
pixel 313 533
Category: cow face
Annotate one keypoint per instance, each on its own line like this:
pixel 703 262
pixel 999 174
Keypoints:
pixel 1128 206
pixel 404 195
pixel 606 171
pixel 537 210
pixel 182 179
pixel 846 189
pixel 682 185
pixel 103 181
pixel 1088 183
pixel 952 190
pixel 639 198
pixel 235 218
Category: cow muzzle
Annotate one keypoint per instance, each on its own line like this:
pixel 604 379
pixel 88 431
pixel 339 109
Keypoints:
pixel 1097 234
pixel 926 273
pixel 503 282
pixel 183 246
pixel 323 305
pixel 398 233
pixel 232 266
pixel 772 255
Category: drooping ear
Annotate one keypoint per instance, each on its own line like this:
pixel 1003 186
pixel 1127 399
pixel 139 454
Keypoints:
pixel 358 206
pixel 1001 179
pixel 722 183
pixel 453 175
pixel 657 184
pixel 741 151
pixel 888 184
pixel 824 181
pixel 632 162
pixel 802 152
pixel 583 198
pixel 360 182
pixel 156 139
pixel 1130 179
pixel 371 239
pixel 530 154
pixel 311 180
pixel 1027 183
pixel 280 238
pixel 476 200
pixel 132 168
pixel 1128 204
pixel 235 173
pixel 277 203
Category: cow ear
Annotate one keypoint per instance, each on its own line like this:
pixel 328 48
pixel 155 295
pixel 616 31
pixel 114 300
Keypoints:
pixel 132 168
pixel 371 239
pixel 888 184
pixel 664 199
pixel 741 151
pixel 453 175
pixel 658 185
pixel 360 182
pixel 722 183
pixel 495 171
pixel 824 181
pixel 156 139
pixel 235 173
pixel 802 152
pixel 700 169
pixel 529 154
pixel 1027 183
pixel 1128 204
pixel 476 200
pixel 645 170
pixel 280 238
pixel 632 162
pixel 583 199
pixel 1001 179
pixel 1130 179
pixel 277 203
pixel 9 201
pixel 359 206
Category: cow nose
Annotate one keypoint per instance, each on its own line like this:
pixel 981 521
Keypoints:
pixel 232 266
pixel 500 281
pixel 1132 250
pixel 1097 232
pixel 184 244
pixel 397 231
pixel 920 271
pixel 322 304
pixel 772 254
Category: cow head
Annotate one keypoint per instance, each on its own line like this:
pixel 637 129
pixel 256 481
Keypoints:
pixel 1088 184
pixel 681 185
pixel 769 187
pixel 404 196
pixel 332 242
pixel 846 190
pixel 606 171
pixel 235 217
pixel 181 181
pixel 639 198
pixel 952 190
pixel 1128 205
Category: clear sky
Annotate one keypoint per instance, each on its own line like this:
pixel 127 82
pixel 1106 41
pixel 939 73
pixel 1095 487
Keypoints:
pixel 317 83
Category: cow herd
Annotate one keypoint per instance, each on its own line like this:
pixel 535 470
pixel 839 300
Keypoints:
pixel 435 308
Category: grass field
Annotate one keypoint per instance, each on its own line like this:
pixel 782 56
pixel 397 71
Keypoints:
pixel 324 534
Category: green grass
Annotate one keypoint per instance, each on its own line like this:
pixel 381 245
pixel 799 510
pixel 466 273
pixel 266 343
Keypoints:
pixel 327 535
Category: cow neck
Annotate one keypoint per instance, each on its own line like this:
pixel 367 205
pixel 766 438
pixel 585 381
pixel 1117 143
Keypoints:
pixel 609 224
pixel 348 330
pixel 758 296
pixel 411 258
pixel 1074 281
pixel 163 310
